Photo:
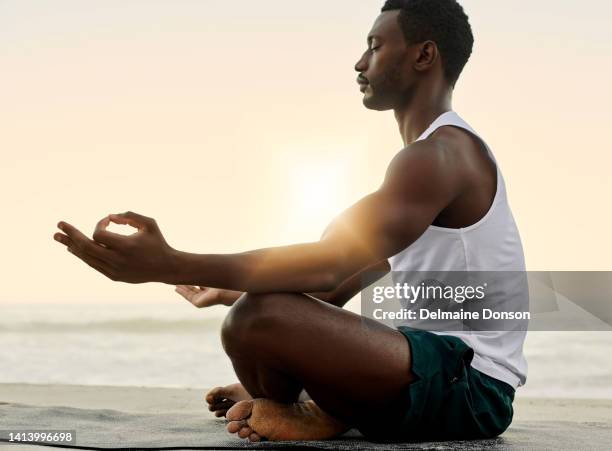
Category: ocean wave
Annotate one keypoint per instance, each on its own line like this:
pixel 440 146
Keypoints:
pixel 133 325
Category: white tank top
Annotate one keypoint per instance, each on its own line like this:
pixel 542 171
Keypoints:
pixel 491 244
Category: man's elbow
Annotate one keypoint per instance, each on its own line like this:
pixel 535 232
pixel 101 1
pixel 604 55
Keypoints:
pixel 329 281
pixel 339 271
pixel 339 263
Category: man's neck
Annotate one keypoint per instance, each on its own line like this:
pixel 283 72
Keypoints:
pixel 413 119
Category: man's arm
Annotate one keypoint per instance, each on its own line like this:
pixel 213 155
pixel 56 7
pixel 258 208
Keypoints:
pixel 353 285
pixel 420 182
pixel 206 297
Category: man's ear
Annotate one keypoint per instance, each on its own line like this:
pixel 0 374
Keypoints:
pixel 427 55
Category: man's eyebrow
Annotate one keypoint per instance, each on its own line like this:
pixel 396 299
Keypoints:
pixel 372 37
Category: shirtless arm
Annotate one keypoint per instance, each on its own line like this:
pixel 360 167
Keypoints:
pixel 351 286
pixel 206 297
pixel 420 182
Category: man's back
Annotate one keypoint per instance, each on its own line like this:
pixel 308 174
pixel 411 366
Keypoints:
pixel 478 170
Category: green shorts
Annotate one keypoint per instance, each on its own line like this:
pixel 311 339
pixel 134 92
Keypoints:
pixel 448 400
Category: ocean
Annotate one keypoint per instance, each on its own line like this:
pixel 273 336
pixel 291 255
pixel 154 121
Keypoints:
pixel 177 345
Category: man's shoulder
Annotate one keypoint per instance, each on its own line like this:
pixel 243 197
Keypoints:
pixel 447 158
pixel 435 154
pixel 453 139
pixel 426 166
pixel 448 148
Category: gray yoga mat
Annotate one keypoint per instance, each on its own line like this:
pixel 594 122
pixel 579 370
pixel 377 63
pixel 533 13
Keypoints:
pixel 104 428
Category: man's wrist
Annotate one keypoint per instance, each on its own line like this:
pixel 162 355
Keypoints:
pixel 173 275
pixel 229 297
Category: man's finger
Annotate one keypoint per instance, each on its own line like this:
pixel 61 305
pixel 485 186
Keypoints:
pixel 75 234
pixel 185 293
pixel 84 244
pixel 95 263
pixel 110 239
pixel 133 219
pixel 63 239
pixel 187 288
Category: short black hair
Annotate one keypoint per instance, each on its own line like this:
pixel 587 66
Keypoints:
pixel 441 21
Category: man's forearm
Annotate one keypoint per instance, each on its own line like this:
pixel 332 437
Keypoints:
pixel 310 267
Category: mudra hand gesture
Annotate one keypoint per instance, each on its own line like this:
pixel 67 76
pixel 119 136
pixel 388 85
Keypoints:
pixel 144 256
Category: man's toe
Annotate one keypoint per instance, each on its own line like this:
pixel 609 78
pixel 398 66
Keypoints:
pixel 220 413
pixel 223 405
pixel 245 432
pixel 235 426
pixel 215 395
pixel 240 411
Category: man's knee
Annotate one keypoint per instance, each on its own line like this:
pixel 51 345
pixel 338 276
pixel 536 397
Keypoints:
pixel 252 318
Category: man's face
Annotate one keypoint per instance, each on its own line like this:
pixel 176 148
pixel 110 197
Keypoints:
pixel 385 75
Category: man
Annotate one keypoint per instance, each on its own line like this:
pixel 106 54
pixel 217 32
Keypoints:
pixel 441 206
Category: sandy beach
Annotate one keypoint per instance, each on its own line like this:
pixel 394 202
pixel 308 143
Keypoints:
pixel 108 417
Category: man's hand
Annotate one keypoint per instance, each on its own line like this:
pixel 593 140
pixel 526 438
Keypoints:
pixel 207 297
pixel 144 256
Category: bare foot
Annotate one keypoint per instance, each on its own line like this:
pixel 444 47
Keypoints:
pixel 262 418
pixel 220 399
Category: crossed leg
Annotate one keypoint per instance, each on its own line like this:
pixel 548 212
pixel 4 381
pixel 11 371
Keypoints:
pixel 355 369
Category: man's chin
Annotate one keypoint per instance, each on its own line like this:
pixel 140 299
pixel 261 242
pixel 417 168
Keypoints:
pixel 371 104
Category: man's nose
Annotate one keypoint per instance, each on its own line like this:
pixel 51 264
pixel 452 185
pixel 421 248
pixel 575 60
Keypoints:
pixel 361 65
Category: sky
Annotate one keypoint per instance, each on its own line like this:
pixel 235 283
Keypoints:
pixel 239 125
